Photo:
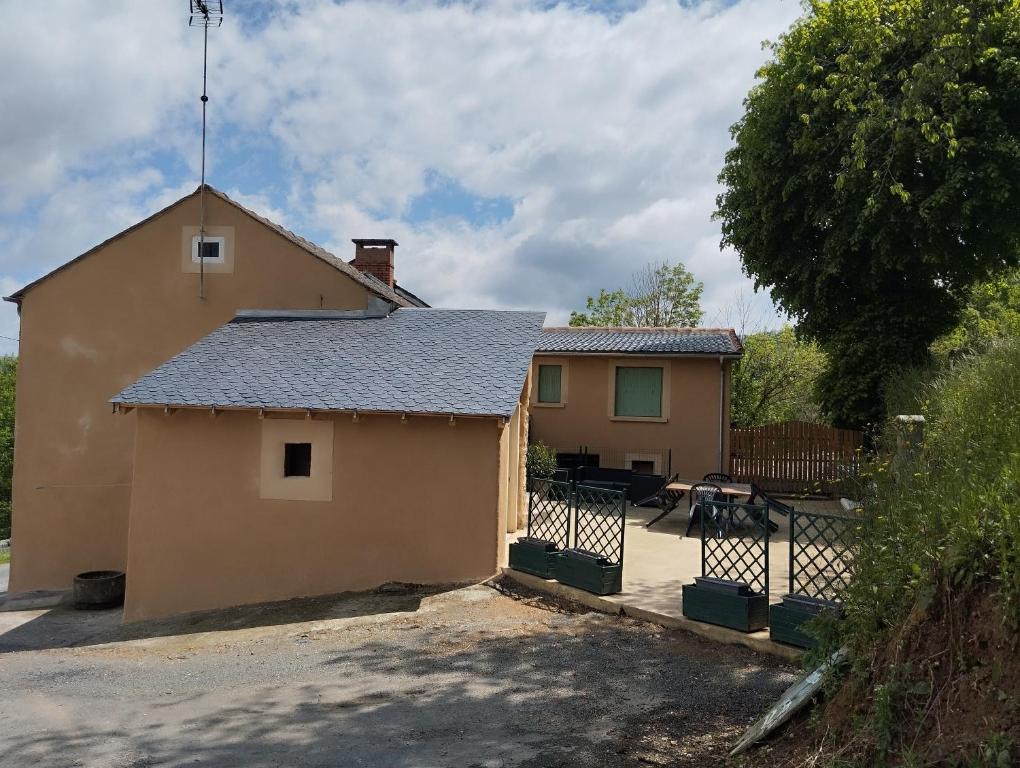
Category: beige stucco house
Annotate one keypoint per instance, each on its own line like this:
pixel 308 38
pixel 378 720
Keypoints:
pixel 99 322
pixel 263 420
pixel 294 453
pixel 654 400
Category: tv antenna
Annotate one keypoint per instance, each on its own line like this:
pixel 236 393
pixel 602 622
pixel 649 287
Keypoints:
pixel 204 14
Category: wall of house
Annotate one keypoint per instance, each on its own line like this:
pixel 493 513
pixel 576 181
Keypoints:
pixel 690 431
pixel 416 502
pixel 97 326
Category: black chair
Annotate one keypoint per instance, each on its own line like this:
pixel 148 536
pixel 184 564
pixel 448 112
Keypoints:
pixel 701 497
pixel 771 504
pixel 665 499
pixel 719 477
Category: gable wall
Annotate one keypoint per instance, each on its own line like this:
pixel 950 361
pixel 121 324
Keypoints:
pixel 95 327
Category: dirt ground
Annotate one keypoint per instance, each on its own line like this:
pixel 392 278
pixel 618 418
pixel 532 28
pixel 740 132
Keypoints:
pixel 463 677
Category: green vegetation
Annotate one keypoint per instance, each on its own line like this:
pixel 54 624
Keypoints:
pixel 934 606
pixel 875 177
pixel 541 460
pixel 663 295
pixel 776 379
pixel 8 376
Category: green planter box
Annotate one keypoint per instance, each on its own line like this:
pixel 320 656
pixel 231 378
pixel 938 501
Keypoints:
pixel 786 618
pixel 725 603
pixel 589 571
pixel 535 556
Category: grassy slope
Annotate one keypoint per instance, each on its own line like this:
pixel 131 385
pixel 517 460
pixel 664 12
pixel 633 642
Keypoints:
pixel 935 605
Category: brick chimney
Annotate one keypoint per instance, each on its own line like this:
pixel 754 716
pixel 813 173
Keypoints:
pixel 375 257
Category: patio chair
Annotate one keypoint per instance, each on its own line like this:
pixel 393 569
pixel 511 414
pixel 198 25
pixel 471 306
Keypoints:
pixel 701 496
pixel 719 477
pixel 665 499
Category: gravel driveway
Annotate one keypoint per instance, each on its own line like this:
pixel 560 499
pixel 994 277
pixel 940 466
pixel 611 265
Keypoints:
pixel 464 677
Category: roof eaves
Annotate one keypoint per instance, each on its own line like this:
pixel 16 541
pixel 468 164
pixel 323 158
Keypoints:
pixel 377 287
pixel 20 293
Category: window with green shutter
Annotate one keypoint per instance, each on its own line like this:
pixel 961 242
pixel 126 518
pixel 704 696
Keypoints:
pixel 549 377
pixel 638 392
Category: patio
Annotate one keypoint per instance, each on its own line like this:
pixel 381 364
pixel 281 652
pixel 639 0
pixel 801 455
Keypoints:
pixel 657 561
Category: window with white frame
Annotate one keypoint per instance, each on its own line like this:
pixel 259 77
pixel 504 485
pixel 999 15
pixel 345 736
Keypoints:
pixel 213 248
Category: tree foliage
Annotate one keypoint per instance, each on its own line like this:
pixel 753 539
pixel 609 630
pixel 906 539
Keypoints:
pixel 662 295
pixel 8 376
pixel 875 177
pixel 776 378
pixel 992 312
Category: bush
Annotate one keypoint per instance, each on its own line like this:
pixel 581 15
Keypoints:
pixel 937 573
pixel 541 460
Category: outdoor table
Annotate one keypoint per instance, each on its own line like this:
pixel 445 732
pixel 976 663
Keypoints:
pixel 729 489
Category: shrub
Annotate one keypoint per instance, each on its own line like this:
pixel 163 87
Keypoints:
pixel 541 460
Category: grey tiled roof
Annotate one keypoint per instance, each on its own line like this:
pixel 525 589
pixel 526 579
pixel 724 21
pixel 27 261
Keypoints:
pixel 641 341
pixel 447 361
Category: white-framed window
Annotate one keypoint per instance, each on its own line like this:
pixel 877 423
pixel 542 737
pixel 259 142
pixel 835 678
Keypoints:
pixel 214 247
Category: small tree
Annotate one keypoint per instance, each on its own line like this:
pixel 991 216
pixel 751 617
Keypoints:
pixel 661 296
pixel 776 378
pixel 541 460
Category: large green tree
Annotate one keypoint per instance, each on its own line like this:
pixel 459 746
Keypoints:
pixel 876 176
pixel 661 296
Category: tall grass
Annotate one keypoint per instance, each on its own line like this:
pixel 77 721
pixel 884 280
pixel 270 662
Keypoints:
pixel 950 516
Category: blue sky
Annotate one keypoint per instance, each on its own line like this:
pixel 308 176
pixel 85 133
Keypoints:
pixel 523 154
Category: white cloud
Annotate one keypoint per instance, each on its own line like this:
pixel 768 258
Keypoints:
pixel 606 134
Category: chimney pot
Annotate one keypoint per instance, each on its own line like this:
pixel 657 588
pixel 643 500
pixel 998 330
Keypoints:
pixel 374 256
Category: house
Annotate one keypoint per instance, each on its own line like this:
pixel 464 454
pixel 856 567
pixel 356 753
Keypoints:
pixel 293 453
pixel 653 400
pixel 106 318
pixel 246 417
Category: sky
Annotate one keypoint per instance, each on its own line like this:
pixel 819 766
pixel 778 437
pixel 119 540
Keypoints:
pixel 523 154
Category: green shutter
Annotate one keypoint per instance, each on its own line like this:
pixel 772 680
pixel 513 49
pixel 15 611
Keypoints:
pixel 549 383
pixel 638 392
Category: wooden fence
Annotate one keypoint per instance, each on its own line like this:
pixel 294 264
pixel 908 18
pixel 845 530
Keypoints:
pixel 794 456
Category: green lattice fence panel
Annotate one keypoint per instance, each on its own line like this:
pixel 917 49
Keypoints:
pixel 549 511
pixel 735 543
pixel 600 517
pixel 821 554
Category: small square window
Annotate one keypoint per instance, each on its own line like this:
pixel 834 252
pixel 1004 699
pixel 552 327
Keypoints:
pixel 212 248
pixel 297 459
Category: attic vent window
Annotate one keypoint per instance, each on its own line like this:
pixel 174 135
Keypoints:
pixel 297 459
pixel 212 248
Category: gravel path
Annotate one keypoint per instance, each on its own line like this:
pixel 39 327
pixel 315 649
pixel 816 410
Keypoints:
pixel 467 677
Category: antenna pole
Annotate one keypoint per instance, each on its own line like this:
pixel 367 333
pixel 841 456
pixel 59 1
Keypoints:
pixel 201 189
pixel 206 13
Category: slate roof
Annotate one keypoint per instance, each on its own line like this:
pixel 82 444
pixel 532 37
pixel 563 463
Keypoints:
pixel 445 361
pixel 377 287
pixel 641 341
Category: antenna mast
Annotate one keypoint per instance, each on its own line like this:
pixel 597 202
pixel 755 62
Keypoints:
pixel 204 14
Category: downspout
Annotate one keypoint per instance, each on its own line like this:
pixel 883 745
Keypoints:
pixel 722 398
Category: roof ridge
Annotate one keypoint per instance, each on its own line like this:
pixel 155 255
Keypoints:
pixel 637 329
